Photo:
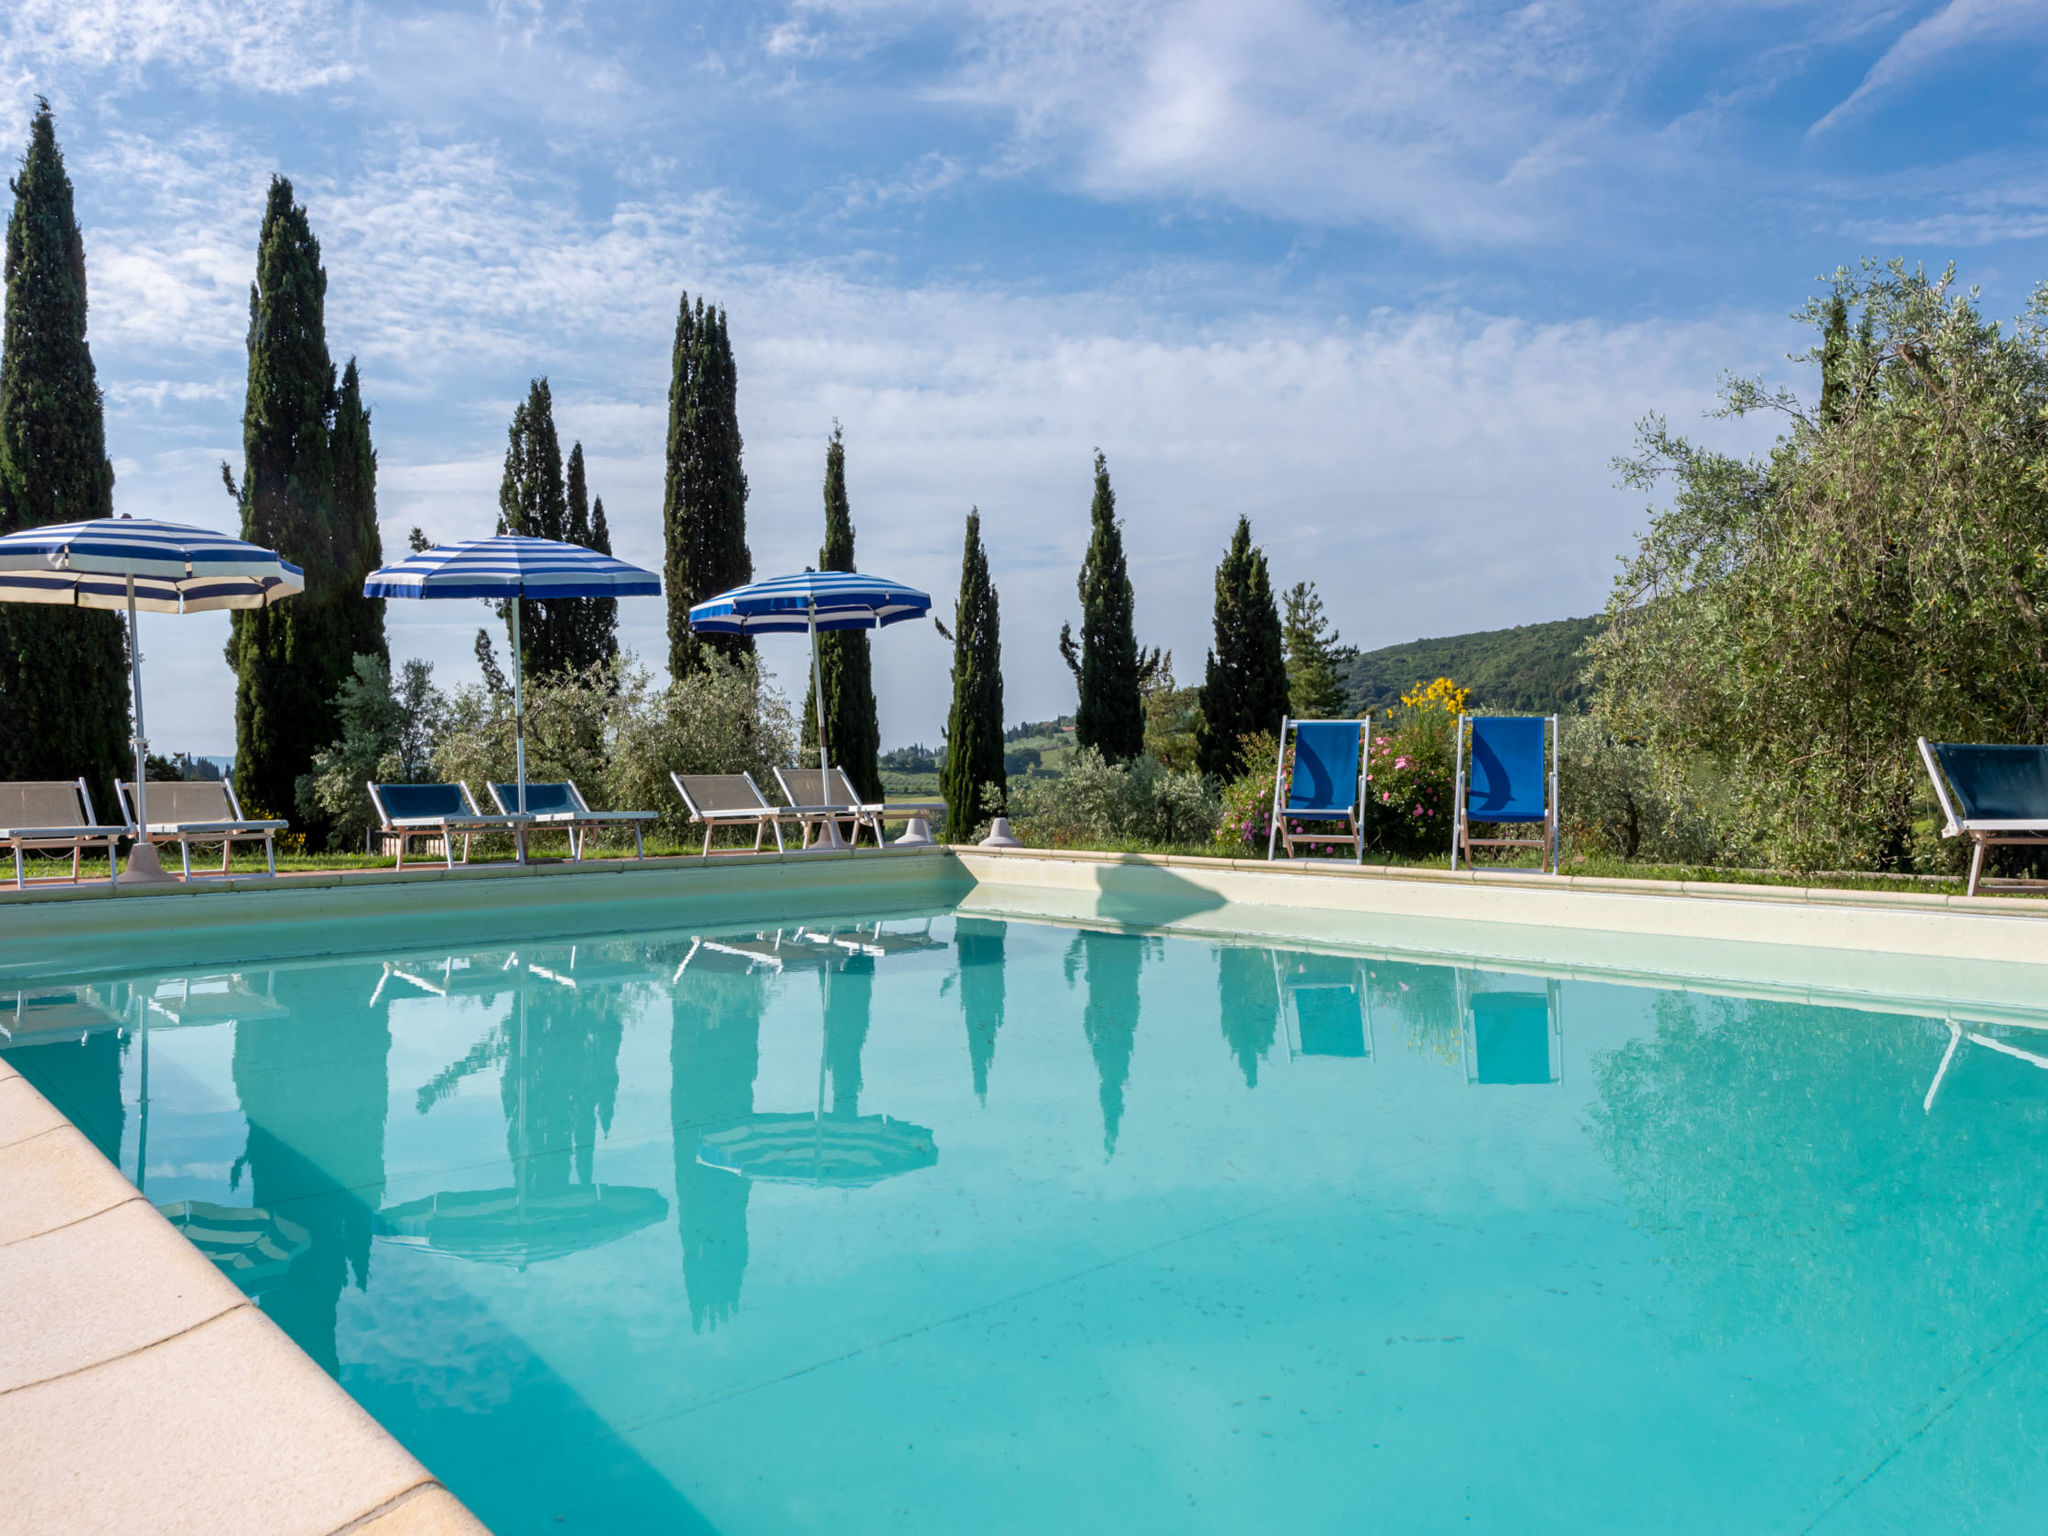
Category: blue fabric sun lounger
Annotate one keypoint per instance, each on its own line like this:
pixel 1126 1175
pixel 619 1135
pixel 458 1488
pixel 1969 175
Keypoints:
pixel 1512 781
pixel 446 811
pixel 1992 795
pixel 1323 800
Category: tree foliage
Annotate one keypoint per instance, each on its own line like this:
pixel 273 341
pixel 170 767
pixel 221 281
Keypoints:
pixel 1245 687
pixel 533 502
pixel 704 498
pixel 1314 689
pixel 291 660
pixel 853 735
pixel 358 546
pixel 63 673
pixel 1109 666
pixel 1535 667
pixel 1882 574
pixel 593 622
pixel 974 726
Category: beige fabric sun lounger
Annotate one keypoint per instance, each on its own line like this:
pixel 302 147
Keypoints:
pixel 561 807
pixel 188 811
pixel 817 796
pixel 728 800
pixel 446 811
pixel 53 814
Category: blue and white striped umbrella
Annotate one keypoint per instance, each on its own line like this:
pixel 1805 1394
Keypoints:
pixel 511 565
pixel 508 566
pixel 176 569
pixel 792 604
pixel 138 563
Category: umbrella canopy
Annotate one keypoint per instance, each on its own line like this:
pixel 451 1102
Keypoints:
pixel 806 604
pixel 504 1226
pixel 506 567
pixel 818 1149
pixel 131 563
pixel 815 599
pixel 175 569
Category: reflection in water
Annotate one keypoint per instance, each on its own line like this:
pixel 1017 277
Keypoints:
pixel 714 1054
pixel 1327 1004
pixel 557 1051
pixel 1514 1028
pixel 312 1086
pixel 849 991
pixel 1782 1157
pixel 978 947
pixel 79 1073
pixel 1111 963
pixel 1250 1005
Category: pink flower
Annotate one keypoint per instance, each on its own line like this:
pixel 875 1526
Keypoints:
pixel 1400 762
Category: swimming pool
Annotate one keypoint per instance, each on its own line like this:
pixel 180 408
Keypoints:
pixel 933 1220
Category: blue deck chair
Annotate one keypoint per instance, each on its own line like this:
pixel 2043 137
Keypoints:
pixel 1991 795
pixel 1512 1037
pixel 1326 789
pixel 1512 781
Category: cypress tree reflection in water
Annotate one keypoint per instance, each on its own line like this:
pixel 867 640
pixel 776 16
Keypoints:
pixel 714 1055
pixel 978 946
pixel 849 991
pixel 81 1075
pixel 1111 964
pixel 312 1082
pixel 1250 1002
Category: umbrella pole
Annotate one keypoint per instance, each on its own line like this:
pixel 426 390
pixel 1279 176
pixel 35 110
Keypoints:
pixel 143 865
pixel 829 836
pixel 519 725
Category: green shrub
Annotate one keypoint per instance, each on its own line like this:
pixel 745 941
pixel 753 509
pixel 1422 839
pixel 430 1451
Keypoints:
pixel 1613 801
pixel 388 735
pixel 1096 801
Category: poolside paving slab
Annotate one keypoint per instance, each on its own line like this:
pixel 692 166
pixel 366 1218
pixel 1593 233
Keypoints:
pixel 140 1390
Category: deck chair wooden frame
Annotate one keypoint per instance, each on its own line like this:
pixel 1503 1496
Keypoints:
pixel 445 822
pixel 744 805
pixel 1462 817
pixel 835 802
pixel 54 815
pixel 183 827
pixel 559 806
pixel 1286 810
pixel 1985 832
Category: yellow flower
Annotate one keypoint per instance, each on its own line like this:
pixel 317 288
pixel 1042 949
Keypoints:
pixel 1443 694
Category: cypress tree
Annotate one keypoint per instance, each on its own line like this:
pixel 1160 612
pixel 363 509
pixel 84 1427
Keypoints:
pixel 1245 687
pixel 1111 714
pixel 974 726
pixel 533 502
pixel 63 674
pixel 290 661
pixel 854 739
pixel 593 622
pixel 704 497
pixel 359 547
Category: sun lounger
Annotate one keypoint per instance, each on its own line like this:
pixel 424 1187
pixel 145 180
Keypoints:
pixel 817 796
pixel 446 811
pixel 1992 795
pixel 50 815
pixel 1507 783
pixel 562 807
pixel 1323 799
pixel 186 811
pixel 728 800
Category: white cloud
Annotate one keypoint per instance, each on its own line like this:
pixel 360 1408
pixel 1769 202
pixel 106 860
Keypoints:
pixel 1958 24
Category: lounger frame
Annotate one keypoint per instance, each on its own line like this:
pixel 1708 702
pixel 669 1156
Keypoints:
pixel 764 816
pixel 1353 819
pixel 75 837
pixel 234 828
pixel 1985 835
pixel 579 821
pixel 447 828
pixel 812 816
pixel 1461 823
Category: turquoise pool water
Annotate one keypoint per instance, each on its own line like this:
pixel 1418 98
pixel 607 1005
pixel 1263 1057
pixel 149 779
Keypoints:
pixel 940 1222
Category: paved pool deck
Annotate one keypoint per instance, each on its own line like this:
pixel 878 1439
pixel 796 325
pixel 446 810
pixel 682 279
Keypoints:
pixel 140 1390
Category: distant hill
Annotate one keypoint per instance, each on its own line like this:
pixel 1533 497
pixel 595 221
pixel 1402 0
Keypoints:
pixel 1534 667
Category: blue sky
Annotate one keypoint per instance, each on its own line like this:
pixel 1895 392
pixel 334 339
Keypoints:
pixel 1393 280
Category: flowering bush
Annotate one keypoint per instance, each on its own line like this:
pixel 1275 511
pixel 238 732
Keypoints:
pixel 1246 820
pixel 1408 810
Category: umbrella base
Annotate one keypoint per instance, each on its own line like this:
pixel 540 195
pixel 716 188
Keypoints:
pixel 144 868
